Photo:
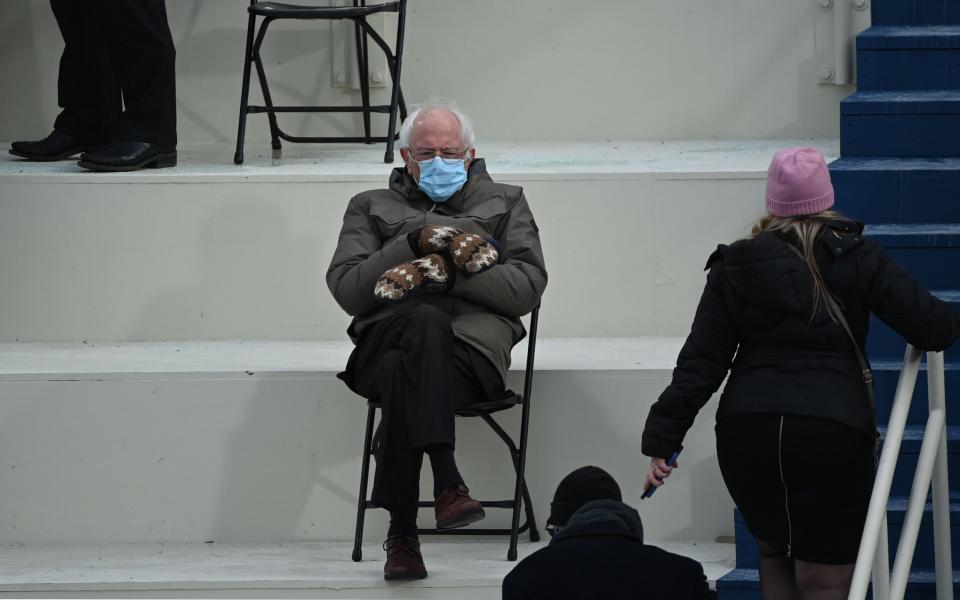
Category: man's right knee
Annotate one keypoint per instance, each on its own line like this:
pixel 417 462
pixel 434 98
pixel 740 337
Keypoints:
pixel 390 365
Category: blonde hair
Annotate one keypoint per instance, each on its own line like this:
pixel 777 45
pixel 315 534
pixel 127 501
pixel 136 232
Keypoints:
pixel 807 229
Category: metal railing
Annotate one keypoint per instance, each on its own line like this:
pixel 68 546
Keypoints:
pixel 932 465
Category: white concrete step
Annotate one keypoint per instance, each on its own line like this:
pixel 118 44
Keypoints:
pixel 258 442
pixel 469 570
pixel 92 361
pixel 210 250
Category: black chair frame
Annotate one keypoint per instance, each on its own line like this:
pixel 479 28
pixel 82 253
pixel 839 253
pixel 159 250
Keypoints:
pixel 358 13
pixel 518 456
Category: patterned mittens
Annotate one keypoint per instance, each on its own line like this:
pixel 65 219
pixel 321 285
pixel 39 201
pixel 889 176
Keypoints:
pixel 427 275
pixel 469 252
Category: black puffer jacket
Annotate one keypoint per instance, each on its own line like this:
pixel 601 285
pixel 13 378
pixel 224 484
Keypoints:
pixel 600 555
pixel 757 306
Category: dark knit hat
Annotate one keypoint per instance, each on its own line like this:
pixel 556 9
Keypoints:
pixel 578 488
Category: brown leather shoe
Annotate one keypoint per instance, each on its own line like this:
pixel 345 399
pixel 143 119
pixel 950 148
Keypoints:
pixel 455 508
pixel 403 559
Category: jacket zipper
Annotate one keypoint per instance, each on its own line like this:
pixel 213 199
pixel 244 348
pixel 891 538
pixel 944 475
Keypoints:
pixel 786 500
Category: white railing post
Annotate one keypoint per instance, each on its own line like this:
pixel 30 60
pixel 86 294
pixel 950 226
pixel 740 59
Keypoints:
pixel 884 479
pixel 918 500
pixel 931 467
pixel 881 564
pixel 941 484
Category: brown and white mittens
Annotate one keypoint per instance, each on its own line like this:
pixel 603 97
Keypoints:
pixel 427 275
pixel 471 253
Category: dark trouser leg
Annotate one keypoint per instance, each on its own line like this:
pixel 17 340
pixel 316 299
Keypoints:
pixel 397 480
pixel 86 88
pixel 446 475
pixel 144 58
pixel 416 388
pixel 421 375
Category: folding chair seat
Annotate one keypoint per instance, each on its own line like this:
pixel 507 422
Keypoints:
pixel 358 13
pixel 518 456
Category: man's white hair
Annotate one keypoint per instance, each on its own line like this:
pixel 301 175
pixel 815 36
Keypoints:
pixel 467 135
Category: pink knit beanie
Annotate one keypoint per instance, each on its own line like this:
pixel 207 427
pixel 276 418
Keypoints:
pixel 798 183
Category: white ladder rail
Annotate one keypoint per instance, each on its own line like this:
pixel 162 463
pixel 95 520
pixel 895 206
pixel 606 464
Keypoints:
pixel 931 467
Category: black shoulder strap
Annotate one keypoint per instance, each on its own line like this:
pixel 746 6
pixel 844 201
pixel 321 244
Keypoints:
pixel 837 314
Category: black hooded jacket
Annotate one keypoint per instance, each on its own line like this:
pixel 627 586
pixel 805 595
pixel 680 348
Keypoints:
pixel 600 555
pixel 755 320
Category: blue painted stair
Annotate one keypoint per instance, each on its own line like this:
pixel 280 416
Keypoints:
pixel 898 190
pixel 899 173
pixel 898 123
pixel 891 57
pixel 916 12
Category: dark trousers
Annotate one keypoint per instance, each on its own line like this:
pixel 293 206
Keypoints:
pixel 117 79
pixel 412 364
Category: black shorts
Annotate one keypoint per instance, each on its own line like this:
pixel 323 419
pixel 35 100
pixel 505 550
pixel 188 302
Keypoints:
pixel 803 484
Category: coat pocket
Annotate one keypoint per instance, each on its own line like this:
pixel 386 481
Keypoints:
pixel 484 219
pixel 394 219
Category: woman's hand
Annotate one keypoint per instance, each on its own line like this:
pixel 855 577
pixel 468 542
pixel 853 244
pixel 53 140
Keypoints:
pixel 659 470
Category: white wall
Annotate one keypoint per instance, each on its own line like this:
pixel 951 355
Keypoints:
pixel 246 259
pixel 530 70
pixel 276 457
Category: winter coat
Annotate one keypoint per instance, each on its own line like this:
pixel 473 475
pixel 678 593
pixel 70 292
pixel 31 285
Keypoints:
pixel 485 308
pixel 755 320
pixel 600 555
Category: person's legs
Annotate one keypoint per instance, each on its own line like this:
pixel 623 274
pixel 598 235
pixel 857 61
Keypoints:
pixel 446 475
pixel 86 88
pixel 777 574
pixel 748 450
pixel 830 468
pixel 475 380
pixel 411 364
pixel 86 91
pixel 398 478
pixel 818 581
pixel 144 57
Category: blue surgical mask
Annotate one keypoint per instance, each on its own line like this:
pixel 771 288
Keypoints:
pixel 440 177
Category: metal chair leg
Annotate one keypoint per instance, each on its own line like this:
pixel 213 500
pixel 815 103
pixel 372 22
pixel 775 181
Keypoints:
pixel 395 72
pixel 245 91
pixel 362 498
pixel 531 519
pixel 264 86
pixel 363 66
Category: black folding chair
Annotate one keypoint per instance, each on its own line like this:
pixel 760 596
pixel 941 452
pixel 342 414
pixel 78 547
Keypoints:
pixel 521 496
pixel 358 13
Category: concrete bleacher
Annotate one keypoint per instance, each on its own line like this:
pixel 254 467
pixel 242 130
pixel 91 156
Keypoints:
pixel 170 421
pixel 169 378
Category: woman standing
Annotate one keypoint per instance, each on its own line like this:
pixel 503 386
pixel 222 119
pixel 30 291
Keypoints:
pixel 786 312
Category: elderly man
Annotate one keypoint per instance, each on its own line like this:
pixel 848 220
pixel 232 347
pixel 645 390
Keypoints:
pixel 436 271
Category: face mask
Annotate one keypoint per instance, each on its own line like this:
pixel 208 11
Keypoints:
pixel 440 178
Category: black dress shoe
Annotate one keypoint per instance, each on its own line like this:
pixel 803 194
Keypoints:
pixel 129 156
pixel 56 146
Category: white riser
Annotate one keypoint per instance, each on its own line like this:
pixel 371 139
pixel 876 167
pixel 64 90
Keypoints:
pixel 275 457
pixel 220 253
pixel 457 569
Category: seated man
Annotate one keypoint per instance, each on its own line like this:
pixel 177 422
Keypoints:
pixel 597 551
pixel 436 271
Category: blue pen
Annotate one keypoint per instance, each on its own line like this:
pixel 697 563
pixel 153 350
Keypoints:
pixel 672 462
